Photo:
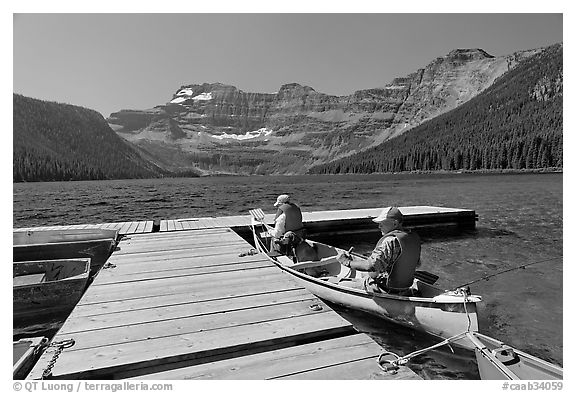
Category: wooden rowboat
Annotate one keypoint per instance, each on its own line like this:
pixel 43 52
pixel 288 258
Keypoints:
pixel 42 288
pixel 425 307
pixel 497 361
pixel 62 235
pixel 26 352
pixel 98 250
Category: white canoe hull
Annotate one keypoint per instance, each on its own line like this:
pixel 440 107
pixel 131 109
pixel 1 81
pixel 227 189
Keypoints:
pixel 444 318
pixel 497 361
pixel 439 313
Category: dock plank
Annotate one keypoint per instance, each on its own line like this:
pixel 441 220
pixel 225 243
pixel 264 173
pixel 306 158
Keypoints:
pixel 88 309
pixel 148 227
pixel 132 227
pixel 136 276
pixel 188 309
pixel 160 256
pixel 138 264
pixel 357 353
pixel 166 286
pixel 122 357
pixel 150 331
pixel 180 248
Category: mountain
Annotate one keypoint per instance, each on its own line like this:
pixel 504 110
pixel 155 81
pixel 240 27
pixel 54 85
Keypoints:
pixel 53 141
pixel 217 128
pixel 514 124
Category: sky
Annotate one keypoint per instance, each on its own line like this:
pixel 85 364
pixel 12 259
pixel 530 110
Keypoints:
pixel 113 61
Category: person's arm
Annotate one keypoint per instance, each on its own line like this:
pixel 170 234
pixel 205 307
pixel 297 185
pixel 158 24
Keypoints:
pixel 364 265
pixel 279 228
pixel 378 261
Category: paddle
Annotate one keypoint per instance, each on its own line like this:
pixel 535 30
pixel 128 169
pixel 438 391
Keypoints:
pixel 324 261
pixel 427 277
pixel 258 215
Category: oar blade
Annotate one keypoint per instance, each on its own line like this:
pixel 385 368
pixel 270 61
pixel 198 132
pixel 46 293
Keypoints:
pixel 257 214
pixel 427 277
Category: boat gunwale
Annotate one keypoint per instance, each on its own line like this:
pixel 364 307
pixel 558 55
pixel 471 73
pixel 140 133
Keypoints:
pixel 82 234
pixel 35 346
pixel 359 292
pixel 106 240
pixel 80 276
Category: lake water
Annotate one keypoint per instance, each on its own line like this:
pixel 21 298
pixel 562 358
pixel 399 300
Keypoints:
pixel 520 222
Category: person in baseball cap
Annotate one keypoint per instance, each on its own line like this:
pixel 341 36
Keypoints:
pixel 393 262
pixel 390 213
pixel 288 220
pixel 282 199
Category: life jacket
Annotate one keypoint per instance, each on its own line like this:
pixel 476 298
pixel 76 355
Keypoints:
pixel 293 216
pixel 400 274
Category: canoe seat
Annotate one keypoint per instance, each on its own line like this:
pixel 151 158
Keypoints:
pixel 29 279
pixel 309 264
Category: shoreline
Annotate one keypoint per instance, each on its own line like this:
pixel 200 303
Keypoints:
pixel 433 173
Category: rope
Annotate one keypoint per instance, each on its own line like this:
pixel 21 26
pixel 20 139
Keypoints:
pixel 400 361
pixel 392 365
pixel 396 361
pixel 247 253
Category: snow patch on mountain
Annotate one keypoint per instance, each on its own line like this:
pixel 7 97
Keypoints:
pixel 203 97
pixel 178 100
pixel 249 135
pixel 185 92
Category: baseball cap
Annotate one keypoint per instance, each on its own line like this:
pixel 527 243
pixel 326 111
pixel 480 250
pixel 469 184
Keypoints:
pixel 282 199
pixel 389 213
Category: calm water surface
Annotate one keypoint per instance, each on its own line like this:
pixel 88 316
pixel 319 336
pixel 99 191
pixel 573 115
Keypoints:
pixel 520 222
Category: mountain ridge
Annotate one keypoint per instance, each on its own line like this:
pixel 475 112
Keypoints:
pixel 215 128
pixel 298 127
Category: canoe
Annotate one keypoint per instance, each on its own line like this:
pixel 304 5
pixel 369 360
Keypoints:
pixel 26 352
pixel 425 307
pixel 498 361
pixel 62 235
pixel 44 288
pixel 98 250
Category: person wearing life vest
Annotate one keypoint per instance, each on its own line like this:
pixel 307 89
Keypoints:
pixel 288 221
pixel 393 261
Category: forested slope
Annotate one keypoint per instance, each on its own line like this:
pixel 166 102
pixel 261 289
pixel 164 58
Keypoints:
pixel 55 141
pixel 514 124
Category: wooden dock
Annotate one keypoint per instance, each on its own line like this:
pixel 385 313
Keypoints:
pixel 185 303
pixel 322 222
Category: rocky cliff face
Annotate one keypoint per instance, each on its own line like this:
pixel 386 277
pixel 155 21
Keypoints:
pixel 219 128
